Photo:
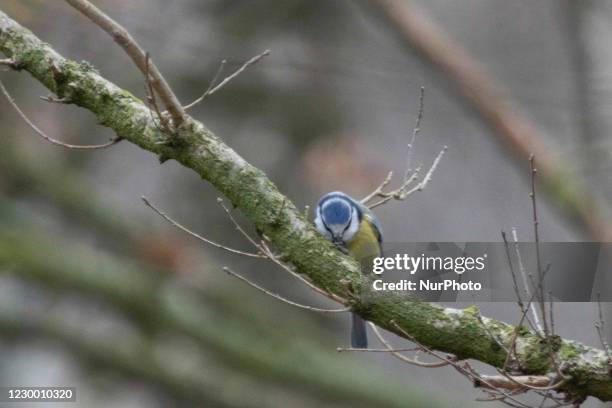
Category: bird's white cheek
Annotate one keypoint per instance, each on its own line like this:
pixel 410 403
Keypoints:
pixel 351 231
pixel 321 228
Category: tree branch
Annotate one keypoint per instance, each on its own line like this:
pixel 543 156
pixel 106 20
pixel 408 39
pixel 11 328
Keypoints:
pixel 449 330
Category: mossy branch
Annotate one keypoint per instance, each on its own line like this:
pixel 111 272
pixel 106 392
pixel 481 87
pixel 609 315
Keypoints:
pixel 459 332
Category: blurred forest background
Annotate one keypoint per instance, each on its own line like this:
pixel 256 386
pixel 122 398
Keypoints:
pixel 98 292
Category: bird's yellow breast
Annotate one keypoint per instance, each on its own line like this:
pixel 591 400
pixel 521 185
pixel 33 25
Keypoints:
pixel 365 242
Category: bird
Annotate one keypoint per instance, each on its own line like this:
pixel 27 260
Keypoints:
pixel 355 230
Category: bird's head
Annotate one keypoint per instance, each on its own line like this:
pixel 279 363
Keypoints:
pixel 338 217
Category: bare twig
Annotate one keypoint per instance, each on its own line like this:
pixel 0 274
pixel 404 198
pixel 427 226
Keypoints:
pixel 550 385
pixel 536 319
pixel 402 357
pixel 415 132
pixel 238 227
pixel 211 85
pixel 53 99
pixel 429 173
pixel 49 139
pixel 511 266
pixel 378 190
pixel 9 62
pixel 212 88
pixel 162 123
pixel 536 234
pixel 600 327
pixel 268 252
pixel 264 252
pixel 520 382
pixel 551 313
pixel 124 39
pixel 279 297
pixel 193 234
pixel 371 350
pixel 410 176
pixel 516 333
pixel 404 191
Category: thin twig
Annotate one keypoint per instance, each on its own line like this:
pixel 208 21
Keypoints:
pixel 403 192
pixel 193 234
pixel 9 62
pixel 49 139
pixel 214 88
pixel 511 266
pixel 378 190
pixel 162 125
pixel 401 356
pixel 279 297
pixel 600 327
pixel 397 194
pixel 530 382
pixel 125 40
pixel 536 234
pixel 516 333
pixel 551 314
pixel 536 319
pixel 406 188
pixel 268 252
pixel 371 350
pixel 415 132
pixel 238 227
pixel 211 85
pixel 53 99
pixel 433 168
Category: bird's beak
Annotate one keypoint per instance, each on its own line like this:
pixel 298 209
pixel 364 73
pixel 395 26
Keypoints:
pixel 337 240
pixel 339 244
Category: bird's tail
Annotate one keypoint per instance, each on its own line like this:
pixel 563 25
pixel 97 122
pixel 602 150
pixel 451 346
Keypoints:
pixel 359 336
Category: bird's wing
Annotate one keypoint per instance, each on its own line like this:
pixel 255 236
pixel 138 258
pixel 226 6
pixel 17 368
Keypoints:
pixel 374 221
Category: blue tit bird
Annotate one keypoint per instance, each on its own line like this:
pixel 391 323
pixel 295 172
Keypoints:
pixel 354 229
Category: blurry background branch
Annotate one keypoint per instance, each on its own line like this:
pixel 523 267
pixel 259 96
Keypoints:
pixel 415 29
pixel 132 359
pixel 160 306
